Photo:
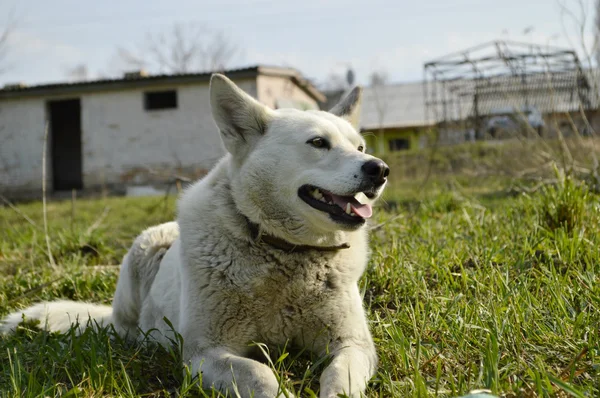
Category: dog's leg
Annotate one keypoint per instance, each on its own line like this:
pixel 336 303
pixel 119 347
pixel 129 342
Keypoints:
pixel 241 377
pixel 138 270
pixel 354 356
pixel 350 370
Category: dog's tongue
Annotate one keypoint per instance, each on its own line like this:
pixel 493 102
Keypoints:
pixel 358 208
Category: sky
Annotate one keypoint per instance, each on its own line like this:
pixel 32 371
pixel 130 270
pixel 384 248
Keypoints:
pixel 316 37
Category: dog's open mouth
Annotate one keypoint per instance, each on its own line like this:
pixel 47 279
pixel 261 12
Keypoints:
pixel 346 209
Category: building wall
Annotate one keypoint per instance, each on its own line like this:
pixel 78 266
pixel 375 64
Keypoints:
pixel 378 148
pixel 122 143
pixel 21 143
pixel 270 89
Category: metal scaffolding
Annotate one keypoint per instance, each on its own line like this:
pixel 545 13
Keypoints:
pixel 474 93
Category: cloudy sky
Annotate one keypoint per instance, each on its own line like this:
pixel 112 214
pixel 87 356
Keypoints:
pixel 318 37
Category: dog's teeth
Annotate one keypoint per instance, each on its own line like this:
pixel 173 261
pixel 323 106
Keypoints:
pixel 348 208
pixel 316 194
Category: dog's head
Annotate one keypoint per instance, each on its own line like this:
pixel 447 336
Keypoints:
pixel 301 175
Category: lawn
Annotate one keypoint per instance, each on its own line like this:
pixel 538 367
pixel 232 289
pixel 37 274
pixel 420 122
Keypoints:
pixel 463 292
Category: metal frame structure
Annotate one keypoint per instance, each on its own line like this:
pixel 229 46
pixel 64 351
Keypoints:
pixel 462 90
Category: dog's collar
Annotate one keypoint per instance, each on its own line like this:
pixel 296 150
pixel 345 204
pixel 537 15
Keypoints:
pixel 281 244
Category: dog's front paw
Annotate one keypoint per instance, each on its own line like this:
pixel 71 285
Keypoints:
pixel 331 391
pixel 339 395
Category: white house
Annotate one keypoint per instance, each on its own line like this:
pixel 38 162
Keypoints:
pixel 138 130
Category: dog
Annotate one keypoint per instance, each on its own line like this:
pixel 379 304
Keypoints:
pixel 268 247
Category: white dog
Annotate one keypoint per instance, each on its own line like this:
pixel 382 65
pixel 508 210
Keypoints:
pixel 268 248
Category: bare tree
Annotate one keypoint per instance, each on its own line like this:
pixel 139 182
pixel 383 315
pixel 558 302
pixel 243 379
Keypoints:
pixel 378 80
pixel 335 86
pixel 575 19
pixel 183 49
pixel 5 34
pixel 577 13
pixel 334 82
pixel 339 81
pixel 78 73
pixel 597 32
pixel 5 164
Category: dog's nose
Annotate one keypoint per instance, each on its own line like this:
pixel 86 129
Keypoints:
pixel 377 170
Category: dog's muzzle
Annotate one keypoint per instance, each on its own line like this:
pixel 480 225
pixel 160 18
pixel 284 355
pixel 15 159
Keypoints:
pixel 375 173
pixel 376 170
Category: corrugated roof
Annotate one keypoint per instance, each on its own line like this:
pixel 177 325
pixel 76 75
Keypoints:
pixel 19 91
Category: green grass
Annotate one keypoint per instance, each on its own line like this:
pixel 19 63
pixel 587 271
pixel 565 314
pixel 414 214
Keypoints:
pixel 461 292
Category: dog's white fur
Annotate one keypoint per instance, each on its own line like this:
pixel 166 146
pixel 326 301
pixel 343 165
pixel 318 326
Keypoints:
pixel 222 289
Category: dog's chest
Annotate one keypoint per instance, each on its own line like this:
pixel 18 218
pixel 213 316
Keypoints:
pixel 295 296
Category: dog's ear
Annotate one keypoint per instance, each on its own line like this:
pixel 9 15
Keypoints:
pixel 349 107
pixel 241 119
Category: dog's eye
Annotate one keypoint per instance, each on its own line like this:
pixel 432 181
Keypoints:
pixel 361 148
pixel 319 142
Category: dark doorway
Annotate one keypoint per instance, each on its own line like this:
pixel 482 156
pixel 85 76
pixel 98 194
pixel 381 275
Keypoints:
pixel 65 133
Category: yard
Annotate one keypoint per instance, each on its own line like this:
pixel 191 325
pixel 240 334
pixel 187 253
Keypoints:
pixel 465 290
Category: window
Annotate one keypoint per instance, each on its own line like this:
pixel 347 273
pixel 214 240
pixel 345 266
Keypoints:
pixel 157 100
pixel 399 144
